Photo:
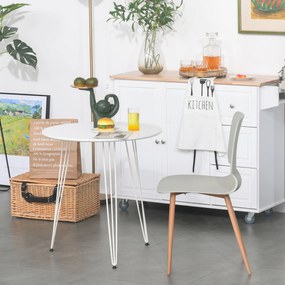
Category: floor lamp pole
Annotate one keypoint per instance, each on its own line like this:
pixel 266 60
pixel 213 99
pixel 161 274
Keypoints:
pixel 91 37
pixel 6 157
pixel 90 6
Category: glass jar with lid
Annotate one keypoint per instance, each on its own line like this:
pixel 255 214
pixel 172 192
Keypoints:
pixel 212 52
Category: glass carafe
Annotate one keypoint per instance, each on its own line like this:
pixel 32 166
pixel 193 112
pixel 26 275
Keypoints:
pixel 212 52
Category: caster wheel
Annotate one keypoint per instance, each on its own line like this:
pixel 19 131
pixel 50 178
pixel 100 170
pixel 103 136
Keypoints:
pixel 249 219
pixel 124 205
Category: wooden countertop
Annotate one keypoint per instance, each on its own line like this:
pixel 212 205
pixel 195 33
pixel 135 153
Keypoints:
pixel 173 76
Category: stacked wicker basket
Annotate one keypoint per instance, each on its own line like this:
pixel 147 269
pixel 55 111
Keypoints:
pixel 80 200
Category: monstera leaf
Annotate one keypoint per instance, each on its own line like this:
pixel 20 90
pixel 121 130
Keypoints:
pixel 17 49
pixel 7 32
pixel 22 52
pixel 5 10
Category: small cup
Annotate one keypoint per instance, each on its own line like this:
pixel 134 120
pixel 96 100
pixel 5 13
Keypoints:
pixel 200 65
pixel 133 119
pixel 186 65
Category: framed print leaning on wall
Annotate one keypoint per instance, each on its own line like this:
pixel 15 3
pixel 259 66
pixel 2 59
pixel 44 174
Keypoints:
pixel 261 16
pixel 16 110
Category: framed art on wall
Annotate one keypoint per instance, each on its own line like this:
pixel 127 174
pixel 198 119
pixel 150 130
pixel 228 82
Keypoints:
pixel 16 110
pixel 261 16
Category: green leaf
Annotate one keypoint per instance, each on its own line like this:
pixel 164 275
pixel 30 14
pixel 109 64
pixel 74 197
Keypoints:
pixel 22 52
pixel 7 32
pixel 148 14
pixel 4 10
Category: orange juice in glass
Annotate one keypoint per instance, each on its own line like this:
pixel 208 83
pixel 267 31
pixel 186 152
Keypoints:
pixel 133 119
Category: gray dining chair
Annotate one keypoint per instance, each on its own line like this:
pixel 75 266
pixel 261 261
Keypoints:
pixel 216 186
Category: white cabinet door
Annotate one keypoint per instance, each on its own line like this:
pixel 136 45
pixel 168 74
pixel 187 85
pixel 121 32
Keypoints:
pixel 148 98
pixel 176 161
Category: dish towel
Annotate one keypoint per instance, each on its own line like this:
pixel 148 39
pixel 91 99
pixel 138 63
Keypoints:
pixel 201 127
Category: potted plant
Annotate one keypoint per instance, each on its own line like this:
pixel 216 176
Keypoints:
pixel 151 16
pixel 18 49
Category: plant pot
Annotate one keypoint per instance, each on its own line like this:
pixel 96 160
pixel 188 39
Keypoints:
pixel 150 58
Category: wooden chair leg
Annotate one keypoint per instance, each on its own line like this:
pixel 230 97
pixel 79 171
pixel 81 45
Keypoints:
pixel 237 232
pixel 170 230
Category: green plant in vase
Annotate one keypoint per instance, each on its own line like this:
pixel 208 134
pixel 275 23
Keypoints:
pixel 151 16
pixel 18 49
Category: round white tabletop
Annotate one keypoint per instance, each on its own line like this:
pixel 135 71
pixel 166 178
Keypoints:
pixel 86 133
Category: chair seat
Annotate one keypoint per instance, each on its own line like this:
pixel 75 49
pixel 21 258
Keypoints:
pixel 202 184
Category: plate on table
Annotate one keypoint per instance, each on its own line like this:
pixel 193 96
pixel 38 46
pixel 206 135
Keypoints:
pixel 241 77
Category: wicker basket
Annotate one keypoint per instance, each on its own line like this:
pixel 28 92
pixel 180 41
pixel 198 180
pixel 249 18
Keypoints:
pixel 80 200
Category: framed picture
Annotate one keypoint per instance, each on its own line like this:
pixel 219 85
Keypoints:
pixel 261 16
pixel 16 110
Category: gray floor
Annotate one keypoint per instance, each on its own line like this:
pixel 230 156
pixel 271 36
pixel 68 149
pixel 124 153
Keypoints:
pixel 205 250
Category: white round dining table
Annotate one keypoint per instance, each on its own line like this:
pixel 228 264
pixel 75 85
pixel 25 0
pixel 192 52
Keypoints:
pixel 76 132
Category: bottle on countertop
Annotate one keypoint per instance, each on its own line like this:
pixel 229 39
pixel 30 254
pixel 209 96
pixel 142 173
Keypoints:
pixel 212 52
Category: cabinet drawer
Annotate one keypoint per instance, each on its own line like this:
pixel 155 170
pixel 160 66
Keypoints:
pixel 239 98
pixel 246 195
pixel 246 149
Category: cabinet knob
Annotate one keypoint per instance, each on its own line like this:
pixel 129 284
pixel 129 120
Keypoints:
pixel 163 141
pixel 232 106
pixel 156 141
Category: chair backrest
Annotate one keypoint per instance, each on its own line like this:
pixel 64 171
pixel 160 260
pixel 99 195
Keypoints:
pixel 233 140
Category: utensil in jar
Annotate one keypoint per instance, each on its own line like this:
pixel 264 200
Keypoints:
pixel 212 90
pixel 202 82
pixel 208 84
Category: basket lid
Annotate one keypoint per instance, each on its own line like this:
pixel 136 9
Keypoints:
pixel 25 177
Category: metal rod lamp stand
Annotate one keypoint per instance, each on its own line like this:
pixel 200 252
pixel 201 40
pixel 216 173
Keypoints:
pixel 90 9
pixel 4 187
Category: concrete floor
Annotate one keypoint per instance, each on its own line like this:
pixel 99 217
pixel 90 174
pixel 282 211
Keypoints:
pixel 205 250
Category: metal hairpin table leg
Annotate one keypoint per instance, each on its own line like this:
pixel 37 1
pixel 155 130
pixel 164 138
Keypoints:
pixel 110 182
pixel 64 161
pixel 136 178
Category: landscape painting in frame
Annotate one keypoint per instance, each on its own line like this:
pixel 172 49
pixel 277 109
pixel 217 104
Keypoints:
pixel 16 110
pixel 261 16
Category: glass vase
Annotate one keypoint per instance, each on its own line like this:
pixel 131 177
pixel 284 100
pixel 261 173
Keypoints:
pixel 150 58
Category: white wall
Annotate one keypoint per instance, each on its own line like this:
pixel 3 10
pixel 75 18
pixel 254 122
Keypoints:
pixel 58 32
